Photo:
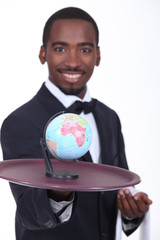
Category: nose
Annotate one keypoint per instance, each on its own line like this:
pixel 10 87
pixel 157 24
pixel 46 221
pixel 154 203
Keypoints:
pixel 73 60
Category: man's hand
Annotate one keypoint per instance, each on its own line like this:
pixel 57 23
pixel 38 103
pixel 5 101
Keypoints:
pixel 59 196
pixel 133 206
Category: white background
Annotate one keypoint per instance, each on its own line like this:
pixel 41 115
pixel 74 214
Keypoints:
pixel 127 79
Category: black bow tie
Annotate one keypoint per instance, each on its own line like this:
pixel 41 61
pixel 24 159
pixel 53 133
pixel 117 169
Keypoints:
pixel 78 107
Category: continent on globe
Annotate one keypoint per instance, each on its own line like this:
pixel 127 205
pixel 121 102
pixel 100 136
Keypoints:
pixel 53 146
pixel 77 130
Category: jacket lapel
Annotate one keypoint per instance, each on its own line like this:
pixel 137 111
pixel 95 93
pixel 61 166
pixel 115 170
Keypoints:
pixel 51 104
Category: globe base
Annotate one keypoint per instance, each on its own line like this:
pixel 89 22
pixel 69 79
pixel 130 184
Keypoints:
pixel 62 174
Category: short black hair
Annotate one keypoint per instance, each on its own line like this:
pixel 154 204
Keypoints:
pixel 68 13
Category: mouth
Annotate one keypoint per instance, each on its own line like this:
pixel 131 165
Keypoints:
pixel 72 77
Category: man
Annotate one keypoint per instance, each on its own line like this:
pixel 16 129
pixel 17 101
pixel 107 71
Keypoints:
pixel 70 49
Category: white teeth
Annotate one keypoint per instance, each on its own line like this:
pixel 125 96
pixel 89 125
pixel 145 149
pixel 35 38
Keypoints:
pixel 73 76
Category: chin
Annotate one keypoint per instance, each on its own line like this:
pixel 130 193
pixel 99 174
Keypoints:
pixel 72 91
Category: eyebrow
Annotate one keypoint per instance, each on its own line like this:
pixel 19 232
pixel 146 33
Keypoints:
pixel 59 43
pixel 86 44
pixel 79 44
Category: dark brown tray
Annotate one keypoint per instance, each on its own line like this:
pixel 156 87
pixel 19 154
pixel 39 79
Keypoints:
pixel 92 177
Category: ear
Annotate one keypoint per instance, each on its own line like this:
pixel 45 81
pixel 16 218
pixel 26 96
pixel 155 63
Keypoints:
pixel 98 56
pixel 42 55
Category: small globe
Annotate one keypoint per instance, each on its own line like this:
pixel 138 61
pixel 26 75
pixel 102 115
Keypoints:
pixel 68 136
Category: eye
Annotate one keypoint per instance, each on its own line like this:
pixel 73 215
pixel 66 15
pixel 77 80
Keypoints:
pixel 59 49
pixel 85 50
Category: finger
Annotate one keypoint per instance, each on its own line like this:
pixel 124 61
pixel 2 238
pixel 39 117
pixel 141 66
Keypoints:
pixel 134 209
pixel 142 202
pixel 147 200
pixel 120 197
pixel 123 204
pixel 120 206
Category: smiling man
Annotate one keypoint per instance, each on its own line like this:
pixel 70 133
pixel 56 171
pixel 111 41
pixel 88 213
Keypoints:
pixel 70 49
pixel 71 53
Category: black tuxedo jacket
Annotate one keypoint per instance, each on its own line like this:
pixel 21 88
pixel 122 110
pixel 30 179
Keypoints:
pixel 94 213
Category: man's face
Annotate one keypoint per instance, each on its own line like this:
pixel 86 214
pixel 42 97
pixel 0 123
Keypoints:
pixel 71 54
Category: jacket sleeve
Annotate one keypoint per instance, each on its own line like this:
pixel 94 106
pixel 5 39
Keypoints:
pixel 20 139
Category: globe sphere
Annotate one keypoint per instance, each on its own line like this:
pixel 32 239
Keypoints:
pixel 68 136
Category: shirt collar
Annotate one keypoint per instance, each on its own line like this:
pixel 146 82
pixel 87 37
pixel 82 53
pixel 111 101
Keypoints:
pixel 66 100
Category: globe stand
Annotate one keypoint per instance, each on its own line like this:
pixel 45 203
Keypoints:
pixel 50 172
